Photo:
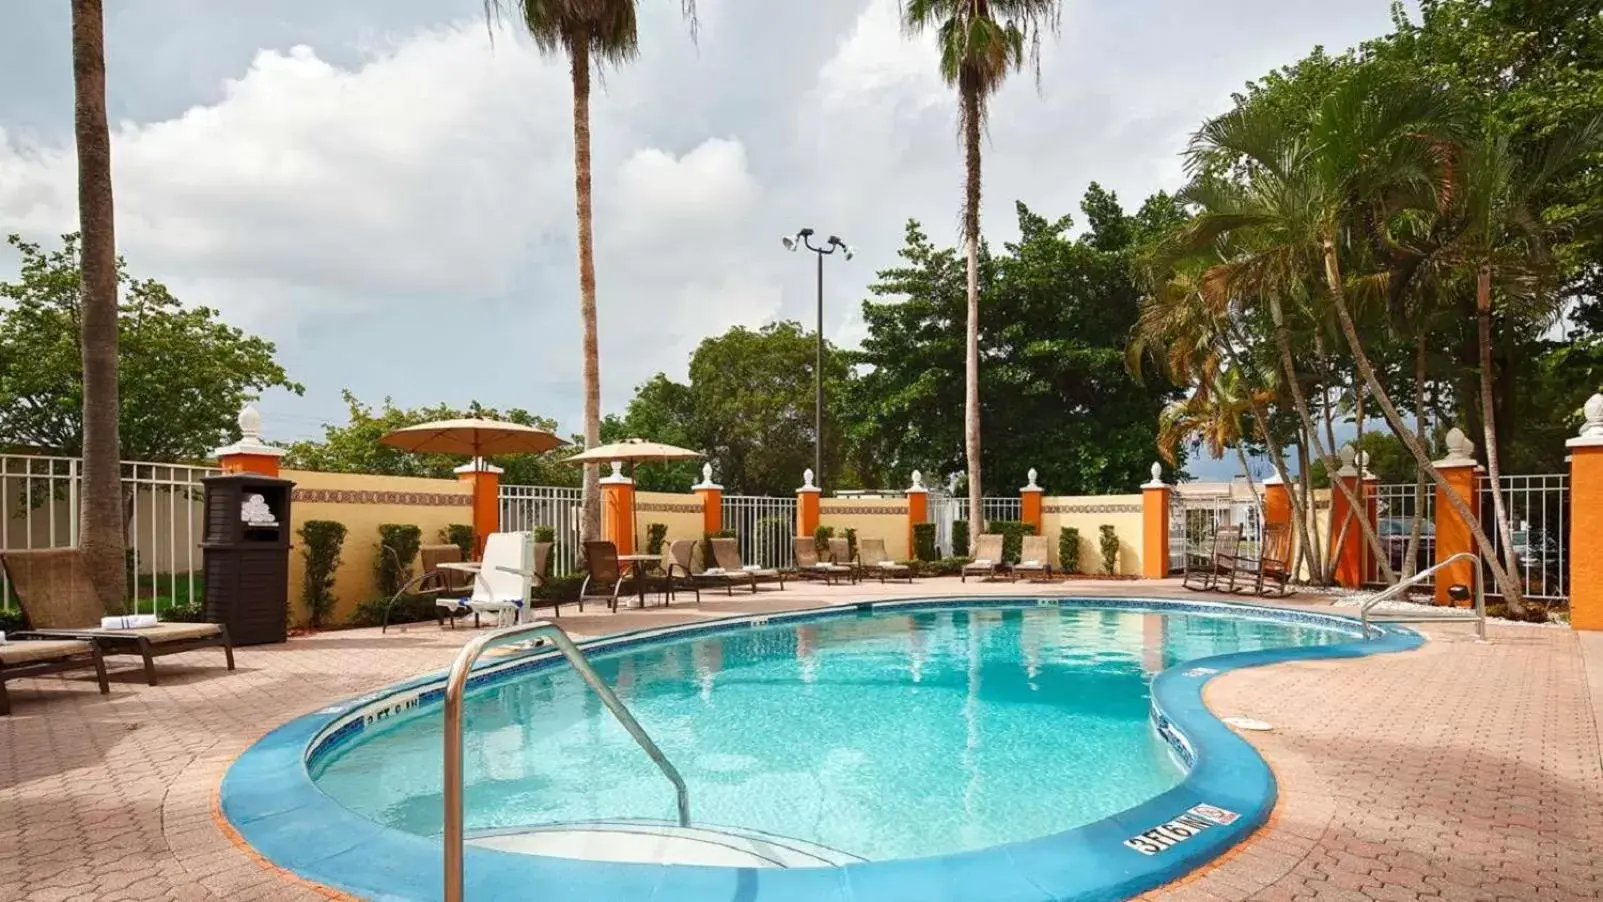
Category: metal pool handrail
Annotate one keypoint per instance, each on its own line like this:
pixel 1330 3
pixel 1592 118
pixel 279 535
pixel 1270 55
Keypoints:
pixel 456 686
pixel 1399 587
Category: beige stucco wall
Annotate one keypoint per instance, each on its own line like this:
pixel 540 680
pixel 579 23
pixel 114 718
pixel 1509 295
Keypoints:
pixel 363 503
pixel 1087 513
pixel 681 513
pixel 873 518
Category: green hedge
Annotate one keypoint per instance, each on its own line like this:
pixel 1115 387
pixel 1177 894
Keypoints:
pixel 1013 533
pixel 1069 549
pixel 321 541
pixel 394 570
pixel 655 534
pixel 1110 548
pixel 960 542
pixel 924 549
pixel 460 535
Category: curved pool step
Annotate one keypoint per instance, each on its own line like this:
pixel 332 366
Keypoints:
pixel 662 842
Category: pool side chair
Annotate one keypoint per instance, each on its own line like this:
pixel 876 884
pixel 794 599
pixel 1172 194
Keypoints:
pixel 679 563
pixel 432 581
pixel 1035 559
pixel 38 657
pixel 726 552
pixel 1221 561
pixel 603 576
pixel 59 602
pixel 504 584
pixel 874 559
pixel 1271 569
pixel 808 566
pixel 988 562
pixel 840 552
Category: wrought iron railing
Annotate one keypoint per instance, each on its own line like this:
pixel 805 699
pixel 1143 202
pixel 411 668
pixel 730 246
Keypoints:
pixel 527 507
pixel 764 526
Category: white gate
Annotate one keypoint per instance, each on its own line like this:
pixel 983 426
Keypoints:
pixel 525 508
pixel 1193 518
pixel 764 527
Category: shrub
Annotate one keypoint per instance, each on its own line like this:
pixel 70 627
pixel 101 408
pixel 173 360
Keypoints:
pixel 960 542
pixel 11 621
pixel 706 544
pixel 821 537
pixel 1069 549
pixel 1013 533
pixel 851 543
pixel 655 534
pixel 561 588
pixel 407 609
pixel 321 541
pixel 1110 548
pixel 924 542
pixel 460 535
pixel 395 569
pixel 184 612
pixel 545 533
pixel 948 566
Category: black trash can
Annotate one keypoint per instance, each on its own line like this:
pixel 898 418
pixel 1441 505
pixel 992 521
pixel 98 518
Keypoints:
pixel 246 556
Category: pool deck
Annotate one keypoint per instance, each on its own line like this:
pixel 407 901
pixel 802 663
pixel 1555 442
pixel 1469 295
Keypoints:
pixel 1458 771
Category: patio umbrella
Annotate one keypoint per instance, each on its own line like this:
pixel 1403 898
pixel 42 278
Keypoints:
pixel 634 451
pixel 476 439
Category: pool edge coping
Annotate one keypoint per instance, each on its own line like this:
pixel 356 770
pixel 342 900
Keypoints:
pixel 1225 771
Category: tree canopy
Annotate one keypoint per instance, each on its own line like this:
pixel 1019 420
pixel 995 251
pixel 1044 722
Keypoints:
pixel 183 374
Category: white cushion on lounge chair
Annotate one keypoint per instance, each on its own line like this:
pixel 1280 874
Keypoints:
pixel 982 562
pixel 750 567
pixel 890 565
pixel 713 571
pixel 1030 564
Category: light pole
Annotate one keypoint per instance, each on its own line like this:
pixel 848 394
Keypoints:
pixel 804 238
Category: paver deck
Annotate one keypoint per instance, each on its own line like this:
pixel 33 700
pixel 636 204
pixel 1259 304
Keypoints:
pixel 1457 772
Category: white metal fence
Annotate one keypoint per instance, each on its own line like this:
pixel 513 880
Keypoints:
pixel 163 509
pixel 764 526
pixel 1539 511
pixel 1193 519
pixel 1398 507
pixel 525 508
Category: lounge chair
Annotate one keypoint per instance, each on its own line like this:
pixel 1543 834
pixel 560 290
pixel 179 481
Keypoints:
pixel 59 602
pixel 1221 562
pixel 1272 565
pixel 601 572
pixel 874 559
pixel 37 657
pixel 810 567
pixel 988 562
pixel 840 552
pixel 680 566
pixel 1035 558
pixel 726 552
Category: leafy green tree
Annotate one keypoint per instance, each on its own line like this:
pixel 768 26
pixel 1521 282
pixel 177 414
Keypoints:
pixel 183 373
pixel 588 33
pixel 354 446
pixel 980 44
pixel 662 411
pixel 1054 390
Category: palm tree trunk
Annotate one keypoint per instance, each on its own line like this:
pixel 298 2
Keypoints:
pixel 590 527
pixel 100 522
pixel 1417 527
pixel 1349 330
pixel 1289 364
pixel 1513 595
pixel 971 241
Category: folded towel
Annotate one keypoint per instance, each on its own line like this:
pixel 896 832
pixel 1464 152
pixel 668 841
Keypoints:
pixel 128 622
pixel 752 567
pixel 714 571
pixel 1029 563
pixel 2 638
pixel 983 562
pixel 890 565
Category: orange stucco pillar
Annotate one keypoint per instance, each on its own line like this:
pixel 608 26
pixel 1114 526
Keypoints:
pixel 1586 521
pixel 1276 502
pixel 807 498
pixel 918 511
pixel 1030 503
pixel 250 454
pixel 1371 499
pixel 483 482
pixel 618 509
pixel 1155 526
pixel 1453 533
pixel 1346 536
pixel 712 501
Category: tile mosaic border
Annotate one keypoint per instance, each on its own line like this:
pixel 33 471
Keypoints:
pixel 365 496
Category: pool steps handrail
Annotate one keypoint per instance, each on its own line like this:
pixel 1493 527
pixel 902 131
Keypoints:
pixel 1397 589
pixel 456 688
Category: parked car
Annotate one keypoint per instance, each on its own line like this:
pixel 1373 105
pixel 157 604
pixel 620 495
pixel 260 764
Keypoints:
pixel 1395 532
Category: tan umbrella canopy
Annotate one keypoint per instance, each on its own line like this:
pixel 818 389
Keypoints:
pixel 473 438
pixel 635 451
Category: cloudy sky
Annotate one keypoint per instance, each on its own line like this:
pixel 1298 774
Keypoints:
pixel 388 195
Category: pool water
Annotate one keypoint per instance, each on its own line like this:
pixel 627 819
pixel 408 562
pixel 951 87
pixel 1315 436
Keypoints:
pixel 885 736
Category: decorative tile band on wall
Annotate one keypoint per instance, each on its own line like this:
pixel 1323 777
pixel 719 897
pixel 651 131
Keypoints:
pixel 359 496
pixel 646 506
pixel 1090 508
pixel 861 510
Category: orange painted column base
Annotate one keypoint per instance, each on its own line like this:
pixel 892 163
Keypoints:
pixel 712 506
pixel 1453 534
pixel 1030 506
pixel 1586 523
pixel 260 464
pixel 807 498
pixel 1155 527
pixel 618 510
pixel 1346 535
pixel 483 482
pixel 918 511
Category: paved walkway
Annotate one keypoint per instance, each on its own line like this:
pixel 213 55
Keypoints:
pixel 1456 772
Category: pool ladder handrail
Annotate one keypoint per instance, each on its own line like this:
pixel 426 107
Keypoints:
pixel 1396 589
pixel 456 687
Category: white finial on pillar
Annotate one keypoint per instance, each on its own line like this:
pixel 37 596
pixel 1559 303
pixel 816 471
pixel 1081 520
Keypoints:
pixel 616 477
pixel 1592 428
pixel 250 423
pixel 250 437
pixel 1349 457
pixel 706 478
pixel 1460 450
pixel 918 482
pixel 1032 474
pixel 1363 465
pixel 807 481
pixel 1157 478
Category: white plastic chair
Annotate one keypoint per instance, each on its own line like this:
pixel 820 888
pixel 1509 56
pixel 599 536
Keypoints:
pixel 505 581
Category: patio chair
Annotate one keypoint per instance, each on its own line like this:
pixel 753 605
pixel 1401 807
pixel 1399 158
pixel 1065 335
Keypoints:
pixel 1271 569
pixel 37 657
pixel 727 553
pixel 988 562
pixel 433 581
pixel 59 602
pixel 872 555
pixel 1221 563
pixel 602 572
pixel 1035 558
pixel 808 566
pixel 840 552
pixel 505 581
pixel 680 566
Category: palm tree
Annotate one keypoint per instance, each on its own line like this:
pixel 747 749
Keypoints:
pixel 589 33
pixel 100 529
pixel 981 42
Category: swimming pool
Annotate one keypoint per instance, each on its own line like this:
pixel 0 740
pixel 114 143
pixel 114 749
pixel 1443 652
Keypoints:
pixel 824 752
